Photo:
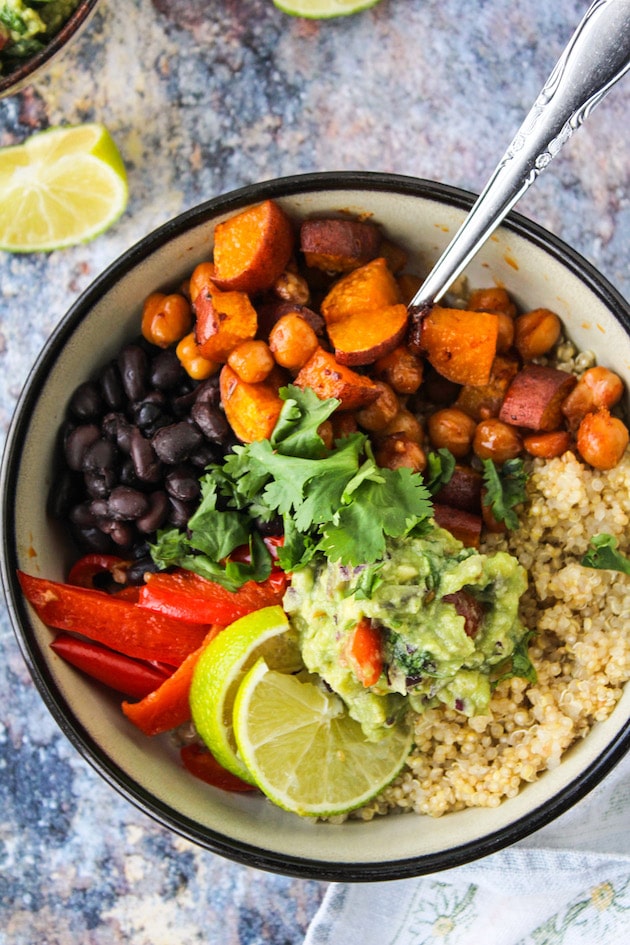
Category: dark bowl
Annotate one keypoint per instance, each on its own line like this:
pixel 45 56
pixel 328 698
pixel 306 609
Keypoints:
pixel 27 70
pixel 540 270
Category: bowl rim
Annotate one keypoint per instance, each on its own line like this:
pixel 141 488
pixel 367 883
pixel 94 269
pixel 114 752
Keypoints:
pixel 163 813
pixel 12 82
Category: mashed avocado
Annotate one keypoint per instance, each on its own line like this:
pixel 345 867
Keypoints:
pixel 26 26
pixel 447 618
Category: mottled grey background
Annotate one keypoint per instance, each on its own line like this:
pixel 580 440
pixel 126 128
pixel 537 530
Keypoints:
pixel 201 97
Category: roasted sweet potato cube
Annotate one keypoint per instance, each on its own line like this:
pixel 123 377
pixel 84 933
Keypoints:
pixel 463 490
pixel 252 410
pixel 483 401
pixel 338 245
pixel 252 248
pixel 534 398
pixel 223 320
pixel 323 374
pixel 370 287
pixel 460 344
pixel 365 336
pixel 462 525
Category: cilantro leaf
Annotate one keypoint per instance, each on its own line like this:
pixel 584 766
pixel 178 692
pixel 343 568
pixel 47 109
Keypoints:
pixel 602 554
pixel 505 489
pixel 439 471
pixel 295 433
pixel 519 663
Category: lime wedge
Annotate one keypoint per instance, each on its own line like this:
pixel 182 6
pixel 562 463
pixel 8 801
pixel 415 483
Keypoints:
pixel 303 749
pixel 60 187
pixel 221 669
pixel 323 9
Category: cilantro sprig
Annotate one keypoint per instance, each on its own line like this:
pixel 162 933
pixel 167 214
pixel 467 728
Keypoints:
pixel 505 489
pixel 337 502
pixel 602 554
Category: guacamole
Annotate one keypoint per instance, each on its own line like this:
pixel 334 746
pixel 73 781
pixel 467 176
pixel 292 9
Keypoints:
pixel 26 26
pixel 447 620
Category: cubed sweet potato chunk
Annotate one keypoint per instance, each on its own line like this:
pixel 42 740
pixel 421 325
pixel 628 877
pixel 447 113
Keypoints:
pixel 463 490
pixel 370 287
pixel 483 401
pixel 252 248
pixel 323 374
pixel 339 245
pixel 461 524
pixel 223 320
pixel 365 336
pixel 252 410
pixel 460 344
pixel 534 398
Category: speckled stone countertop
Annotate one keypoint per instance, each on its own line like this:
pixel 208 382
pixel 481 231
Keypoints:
pixel 203 96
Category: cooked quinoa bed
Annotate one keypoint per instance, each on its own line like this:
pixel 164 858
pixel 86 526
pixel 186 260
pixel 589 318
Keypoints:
pixel 580 650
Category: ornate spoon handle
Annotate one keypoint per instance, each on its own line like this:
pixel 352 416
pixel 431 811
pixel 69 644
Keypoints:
pixel 597 56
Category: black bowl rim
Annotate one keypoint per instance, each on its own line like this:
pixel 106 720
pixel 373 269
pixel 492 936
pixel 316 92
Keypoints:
pixel 12 82
pixel 247 854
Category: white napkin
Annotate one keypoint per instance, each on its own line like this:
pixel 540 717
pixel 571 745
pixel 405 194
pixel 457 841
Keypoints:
pixel 567 884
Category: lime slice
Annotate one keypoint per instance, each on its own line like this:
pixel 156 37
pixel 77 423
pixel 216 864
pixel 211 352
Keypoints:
pixel 60 187
pixel 323 9
pixel 221 669
pixel 303 749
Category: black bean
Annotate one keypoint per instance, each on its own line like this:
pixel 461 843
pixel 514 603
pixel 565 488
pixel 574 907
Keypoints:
pixel 208 391
pixel 156 515
pixel 92 539
pixel 63 494
pixel 100 455
pixel 82 515
pixel 99 509
pixel 127 504
pixel 116 427
pixel 136 572
pixel 78 442
pixel 183 483
pixel 179 512
pixel 100 484
pixel 205 455
pixel 134 371
pixel 128 475
pixel 211 421
pixel 86 402
pixel 174 443
pixel 150 414
pixel 111 386
pixel 273 527
pixel 146 463
pixel 166 372
pixel 121 533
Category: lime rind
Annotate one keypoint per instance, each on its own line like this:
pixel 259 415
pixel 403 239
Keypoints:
pixel 304 751
pixel 221 669
pixel 323 9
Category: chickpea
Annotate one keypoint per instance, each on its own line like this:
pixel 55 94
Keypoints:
pixel 536 332
pixel 405 422
pixel 452 429
pixel 396 451
pixel 291 287
pixel 343 424
pixel 326 431
pixel 201 279
pixel 292 341
pixel 497 441
pixel 505 338
pixel 494 299
pixel 378 414
pixel 165 318
pixel 401 369
pixel 601 439
pixel 252 360
pixel 195 365
pixel 547 445
pixel 598 387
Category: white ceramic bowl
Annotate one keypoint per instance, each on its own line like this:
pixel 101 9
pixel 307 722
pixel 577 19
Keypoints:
pixel 540 271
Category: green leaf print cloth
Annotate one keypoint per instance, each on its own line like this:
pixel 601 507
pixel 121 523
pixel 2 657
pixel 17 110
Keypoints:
pixel 567 884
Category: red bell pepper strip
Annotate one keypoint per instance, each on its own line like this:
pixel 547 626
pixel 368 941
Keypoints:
pixel 203 765
pixel 167 707
pixel 365 652
pixel 130 677
pixel 187 596
pixel 86 569
pixel 117 623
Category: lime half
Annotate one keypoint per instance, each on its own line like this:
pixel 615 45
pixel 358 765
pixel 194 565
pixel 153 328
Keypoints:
pixel 221 669
pixel 323 9
pixel 303 749
pixel 60 187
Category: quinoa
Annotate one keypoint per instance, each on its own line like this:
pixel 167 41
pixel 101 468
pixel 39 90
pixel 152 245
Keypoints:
pixel 579 648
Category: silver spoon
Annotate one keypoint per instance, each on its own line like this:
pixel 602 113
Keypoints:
pixel 596 57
